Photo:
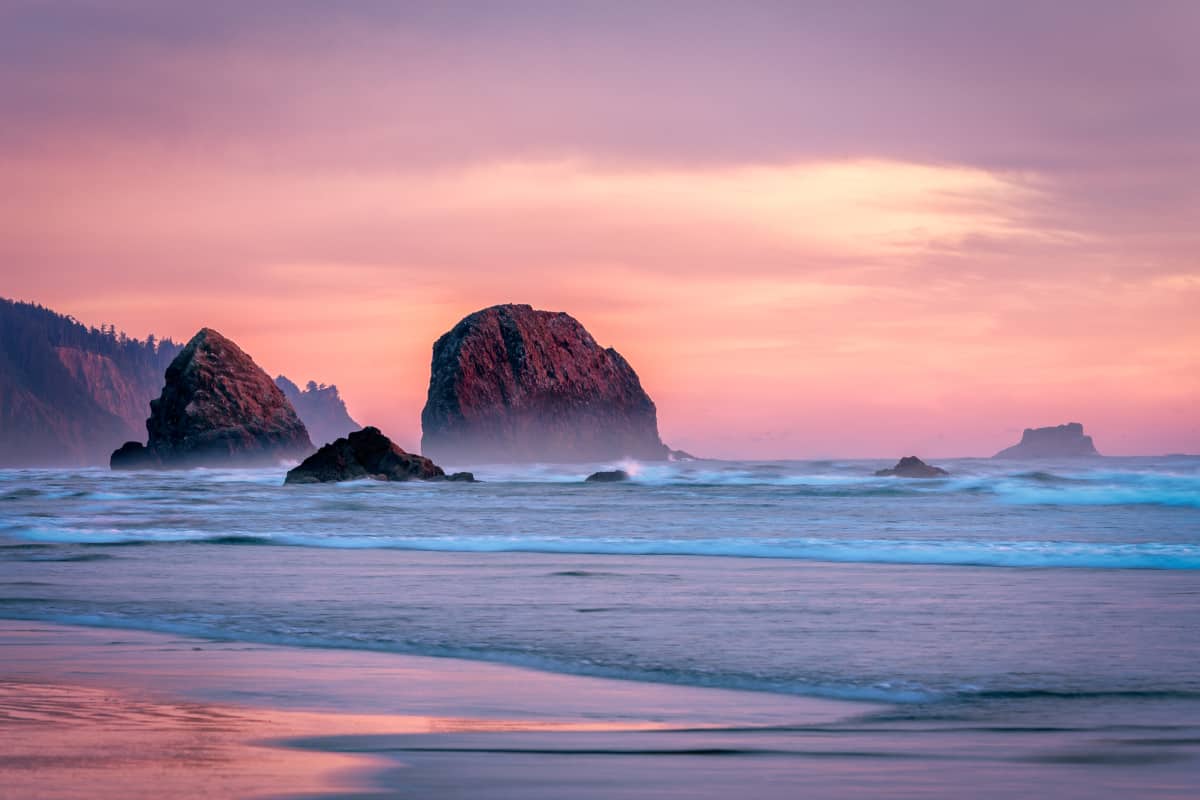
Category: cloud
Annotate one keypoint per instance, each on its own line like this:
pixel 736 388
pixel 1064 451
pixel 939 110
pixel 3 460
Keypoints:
pixel 873 226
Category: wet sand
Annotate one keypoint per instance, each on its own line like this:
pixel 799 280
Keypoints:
pixel 107 713
pixel 100 713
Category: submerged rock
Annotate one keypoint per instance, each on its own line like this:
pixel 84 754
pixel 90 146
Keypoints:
pixel 912 467
pixel 218 408
pixel 610 476
pixel 513 384
pixel 367 454
pixel 1061 441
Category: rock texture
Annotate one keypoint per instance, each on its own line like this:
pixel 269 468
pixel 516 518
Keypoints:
pixel 218 408
pixel 321 409
pixel 367 454
pixel 1062 441
pixel 513 384
pixel 609 476
pixel 912 467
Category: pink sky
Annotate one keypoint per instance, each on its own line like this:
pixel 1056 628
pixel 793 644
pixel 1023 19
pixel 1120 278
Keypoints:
pixel 902 228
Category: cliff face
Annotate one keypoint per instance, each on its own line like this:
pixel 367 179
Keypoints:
pixel 218 408
pixel 321 409
pixel 512 384
pixel 69 394
pixel 1062 441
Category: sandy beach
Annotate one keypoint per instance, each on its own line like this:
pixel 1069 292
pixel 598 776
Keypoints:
pixel 93 712
pixel 106 713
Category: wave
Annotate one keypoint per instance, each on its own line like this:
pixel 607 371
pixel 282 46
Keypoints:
pixel 896 692
pixel 881 692
pixel 948 552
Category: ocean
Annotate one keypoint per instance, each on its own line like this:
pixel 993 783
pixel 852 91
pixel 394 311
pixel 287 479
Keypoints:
pixel 1008 600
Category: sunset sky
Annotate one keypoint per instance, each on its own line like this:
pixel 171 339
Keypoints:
pixel 815 229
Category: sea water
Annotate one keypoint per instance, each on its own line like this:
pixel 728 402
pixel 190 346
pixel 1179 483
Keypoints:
pixel 1015 596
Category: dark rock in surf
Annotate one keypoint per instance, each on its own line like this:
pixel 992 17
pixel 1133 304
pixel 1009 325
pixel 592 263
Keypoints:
pixel 513 384
pixel 218 408
pixel 134 455
pixel 1061 441
pixel 367 454
pixel 461 477
pixel 912 467
pixel 610 476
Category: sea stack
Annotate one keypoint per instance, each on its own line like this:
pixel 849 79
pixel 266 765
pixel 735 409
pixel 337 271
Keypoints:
pixel 1061 441
pixel 912 467
pixel 368 454
pixel 514 384
pixel 218 408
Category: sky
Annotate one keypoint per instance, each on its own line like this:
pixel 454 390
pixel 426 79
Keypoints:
pixel 815 229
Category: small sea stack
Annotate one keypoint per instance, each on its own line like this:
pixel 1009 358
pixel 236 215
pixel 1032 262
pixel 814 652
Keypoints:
pixel 368 454
pixel 217 409
pixel 912 467
pixel 1056 441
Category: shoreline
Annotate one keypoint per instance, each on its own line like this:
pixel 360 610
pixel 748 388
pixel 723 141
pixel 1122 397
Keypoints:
pixel 104 712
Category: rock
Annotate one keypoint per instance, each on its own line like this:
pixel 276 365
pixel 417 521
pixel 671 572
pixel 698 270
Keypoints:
pixel 681 455
pixel 320 408
pixel 513 384
pixel 462 477
pixel 134 455
pixel 912 467
pixel 1062 441
pixel 611 476
pixel 218 408
pixel 366 454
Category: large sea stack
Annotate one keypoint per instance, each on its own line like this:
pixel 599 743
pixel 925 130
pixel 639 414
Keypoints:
pixel 513 384
pixel 1062 441
pixel 218 408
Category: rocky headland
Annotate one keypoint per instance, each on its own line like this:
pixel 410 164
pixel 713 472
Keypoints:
pixel 321 409
pixel 367 453
pixel 217 408
pixel 70 393
pixel 1060 441
pixel 514 384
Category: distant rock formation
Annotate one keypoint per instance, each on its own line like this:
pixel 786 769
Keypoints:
pixel 512 384
pixel 1061 441
pixel 218 408
pixel 609 476
pixel 321 409
pixel 368 454
pixel 912 467
pixel 69 394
